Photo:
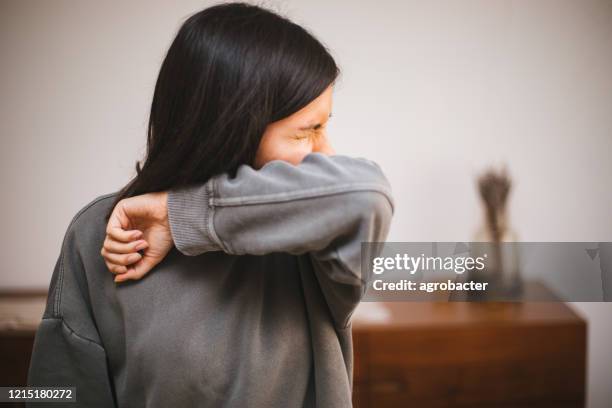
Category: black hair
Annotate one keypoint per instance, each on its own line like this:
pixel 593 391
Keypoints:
pixel 232 69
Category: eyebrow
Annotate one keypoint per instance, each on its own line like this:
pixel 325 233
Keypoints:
pixel 314 126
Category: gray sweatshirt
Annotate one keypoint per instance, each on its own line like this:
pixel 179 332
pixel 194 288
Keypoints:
pixel 251 308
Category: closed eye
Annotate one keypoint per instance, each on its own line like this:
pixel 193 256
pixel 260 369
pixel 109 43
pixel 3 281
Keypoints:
pixel 307 134
pixel 301 136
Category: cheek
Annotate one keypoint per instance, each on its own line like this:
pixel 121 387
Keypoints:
pixel 286 149
pixel 296 152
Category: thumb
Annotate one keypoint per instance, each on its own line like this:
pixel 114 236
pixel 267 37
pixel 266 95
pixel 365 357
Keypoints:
pixel 135 207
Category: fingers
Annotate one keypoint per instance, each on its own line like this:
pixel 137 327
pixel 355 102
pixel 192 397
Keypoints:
pixel 118 256
pixel 116 269
pixel 138 270
pixel 131 274
pixel 120 235
pixel 121 244
pixel 117 247
pixel 120 259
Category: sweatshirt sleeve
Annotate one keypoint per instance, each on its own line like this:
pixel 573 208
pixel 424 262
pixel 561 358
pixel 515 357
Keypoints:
pixel 67 349
pixel 324 207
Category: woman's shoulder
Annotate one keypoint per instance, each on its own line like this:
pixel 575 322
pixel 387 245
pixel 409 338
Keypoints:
pixel 78 262
pixel 95 208
pixel 88 225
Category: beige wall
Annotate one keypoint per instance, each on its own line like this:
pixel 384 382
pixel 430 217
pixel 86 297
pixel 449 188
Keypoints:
pixel 433 90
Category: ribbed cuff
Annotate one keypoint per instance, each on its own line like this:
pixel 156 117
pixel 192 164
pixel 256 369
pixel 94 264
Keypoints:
pixel 190 219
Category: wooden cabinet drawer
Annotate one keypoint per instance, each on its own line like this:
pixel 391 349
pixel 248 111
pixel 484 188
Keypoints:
pixel 486 364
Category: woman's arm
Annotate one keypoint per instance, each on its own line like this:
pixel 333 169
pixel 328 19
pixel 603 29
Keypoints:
pixel 325 206
pixel 67 348
pixel 282 207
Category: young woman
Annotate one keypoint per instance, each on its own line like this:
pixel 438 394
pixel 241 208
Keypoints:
pixel 238 242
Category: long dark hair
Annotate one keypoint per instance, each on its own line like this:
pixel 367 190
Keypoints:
pixel 232 69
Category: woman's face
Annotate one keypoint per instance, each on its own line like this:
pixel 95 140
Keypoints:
pixel 292 138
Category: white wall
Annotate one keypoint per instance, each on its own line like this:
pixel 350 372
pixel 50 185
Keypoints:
pixel 433 90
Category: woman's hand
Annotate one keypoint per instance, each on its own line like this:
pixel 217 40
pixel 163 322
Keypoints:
pixel 144 216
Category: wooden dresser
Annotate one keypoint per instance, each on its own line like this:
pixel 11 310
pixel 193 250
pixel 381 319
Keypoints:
pixel 416 354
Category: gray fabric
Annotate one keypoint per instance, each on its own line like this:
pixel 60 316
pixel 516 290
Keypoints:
pixel 251 308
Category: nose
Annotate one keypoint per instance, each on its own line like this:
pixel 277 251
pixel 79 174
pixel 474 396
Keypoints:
pixel 322 145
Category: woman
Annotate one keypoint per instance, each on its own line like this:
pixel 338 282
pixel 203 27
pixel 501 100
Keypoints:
pixel 249 225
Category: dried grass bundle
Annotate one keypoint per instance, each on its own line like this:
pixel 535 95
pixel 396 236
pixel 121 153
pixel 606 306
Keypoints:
pixel 494 187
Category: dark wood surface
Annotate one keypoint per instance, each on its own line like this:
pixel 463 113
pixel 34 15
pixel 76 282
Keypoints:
pixel 458 354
